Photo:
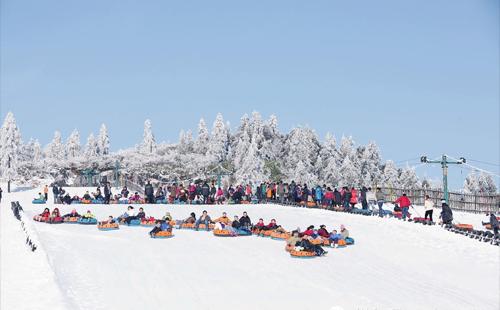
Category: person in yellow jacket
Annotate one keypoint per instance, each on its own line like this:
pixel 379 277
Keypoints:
pixel 223 219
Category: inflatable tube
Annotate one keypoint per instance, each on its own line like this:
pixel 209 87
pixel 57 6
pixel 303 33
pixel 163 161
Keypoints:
pixel 266 233
pixel 163 201
pixel 223 233
pixel 55 220
pixel 302 254
pixel 87 221
pixel 76 202
pixel 163 234
pixel 243 233
pixel 464 227
pixel 148 223
pixel 203 227
pixel 135 222
pixel 41 219
pixel 187 225
pixel 39 201
pixel 86 202
pixel 317 241
pixel 279 236
pixel 349 241
pixel 98 201
pixel 311 204
pixel 71 220
pixel 108 226
pixel 123 202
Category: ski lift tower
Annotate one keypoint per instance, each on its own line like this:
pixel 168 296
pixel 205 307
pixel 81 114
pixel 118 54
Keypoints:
pixel 219 171
pixel 444 164
pixel 89 174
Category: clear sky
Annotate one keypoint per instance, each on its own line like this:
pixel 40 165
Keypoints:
pixel 417 77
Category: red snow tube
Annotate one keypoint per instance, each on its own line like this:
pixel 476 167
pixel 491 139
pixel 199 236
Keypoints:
pixel 86 202
pixel 464 226
pixel 302 254
pixel 55 220
pixel 148 222
pixel 39 218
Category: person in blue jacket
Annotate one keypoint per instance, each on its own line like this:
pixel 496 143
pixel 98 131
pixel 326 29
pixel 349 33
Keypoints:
pixel 319 195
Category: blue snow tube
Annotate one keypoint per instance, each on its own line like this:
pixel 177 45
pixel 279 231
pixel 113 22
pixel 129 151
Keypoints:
pixel 162 201
pixel 75 202
pixel 242 232
pixel 39 201
pixel 123 202
pixel 98 201
pixel 87 221
pixel 349 241
pixel 135 222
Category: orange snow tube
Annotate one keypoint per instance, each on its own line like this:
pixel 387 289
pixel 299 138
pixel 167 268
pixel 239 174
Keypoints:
pixel 163 234
pixel 341 242
pixel 222 233
pixel 266 233
pixel 108 226
pixel 202 226
pixel 317 241
pixel 86 202
pixel 464 226
pixel 187 225
pixel 311 204
pixel 279 236
pixel 302 254
pixel 72 219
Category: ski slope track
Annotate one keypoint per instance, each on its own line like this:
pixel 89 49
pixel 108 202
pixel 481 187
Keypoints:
pixel 393 265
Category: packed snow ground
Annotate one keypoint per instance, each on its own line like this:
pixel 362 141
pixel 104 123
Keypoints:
pixel 394 265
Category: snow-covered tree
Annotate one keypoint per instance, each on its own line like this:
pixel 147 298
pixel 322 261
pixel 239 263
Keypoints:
pixel 201 143
pixel 217 147
pixel 327 165
pixel 73 146
pixel 91 147
pixel 37 151
pixel 301 146
pixel 252 167
pixel 103 141
pixel 370 165
pixel 391 175
pixel 10 147
pixel 479 183
pixel 55 149
pixel 272 143
pixel 349 173
pixel 408 178
pixel 148 145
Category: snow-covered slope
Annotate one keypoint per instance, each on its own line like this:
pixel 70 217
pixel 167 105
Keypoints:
pixel 394 265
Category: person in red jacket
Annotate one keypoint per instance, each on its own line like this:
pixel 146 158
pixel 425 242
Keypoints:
pixel 259 226
pixel 309 231
pixel 323 232
pixel 271 226
pixel 404 203
pixel 354 197
pixel 45 213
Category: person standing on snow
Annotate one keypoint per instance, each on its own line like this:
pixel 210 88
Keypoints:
pixel 446 213
pixel 46 192
pixel 55 192
pixel 404 203
pixel 1 194
pixel 429 207
pixel 493 222
pixel 364 201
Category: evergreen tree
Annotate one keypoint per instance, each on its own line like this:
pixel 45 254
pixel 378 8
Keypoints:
pixel 10 147
pixel 349 173
pixel 103 141
pixel 217 148
pixel 408 179
pixel 73 146
pixel 201 143
pixel 91 147
pixel 55 150
pixel 391 175
pixel 148 145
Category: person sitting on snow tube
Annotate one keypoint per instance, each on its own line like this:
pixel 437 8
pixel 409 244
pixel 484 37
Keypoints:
pixel 223 219
pixel 141 213
pixel 130 215
pixel 87 196
pixel 259 226
pixel 292 241
pixel 41 197
pixel 309 231
pixel 335 237
pixel 191 219
pixel 167 217
pixel 135 197
pixel 493 223
pixel 309 247
pixel 245 221
pixel 323 232
pixel 344 232
pixel 66 199
pixel 160 226
pixel 110 220
pixel 88 215
pixel 73 213
pixel 204 219
pixel 45 213
pixel 271 226
pixel 55 217
pixel 160 195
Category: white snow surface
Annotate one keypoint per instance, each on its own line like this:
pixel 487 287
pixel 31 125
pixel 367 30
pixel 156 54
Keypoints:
pixel 393 265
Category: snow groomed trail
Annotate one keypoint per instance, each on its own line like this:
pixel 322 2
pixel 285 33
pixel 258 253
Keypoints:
pixel 394 264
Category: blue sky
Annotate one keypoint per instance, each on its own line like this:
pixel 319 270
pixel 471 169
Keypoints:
pixel 417 77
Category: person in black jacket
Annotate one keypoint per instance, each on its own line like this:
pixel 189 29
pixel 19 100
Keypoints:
pixel 245 221
pixel 337 198
pixel 364 202
pixel 347 198
pixel 205 192
pixel 107 193
pixel 149 192
pixel 493 223
pixel 55 191
pixel 236 223
pixel 446 213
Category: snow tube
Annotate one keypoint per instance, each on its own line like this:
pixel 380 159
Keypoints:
pixel 311 204
pixel 87 221
pixel 349 241
pixel 55 220
pixel 123 202
pixel 108 226
pixel 245 202
pixel 71 220
pixel 135 222
pixel 302 254
pixel 98 201
pixel 163 234
pixel 163 201
pixel 76 202
pixel 464 227
pixel 242 232
pixel 223 233
pixel 86 201
pixel 255 201
pixel 39 201
pixel 279 236
pixel 210 226
pixel 266 233
pixel 187 226
pixel 341 243
pixel 317 241
pixel 148 222
pixel 39 218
